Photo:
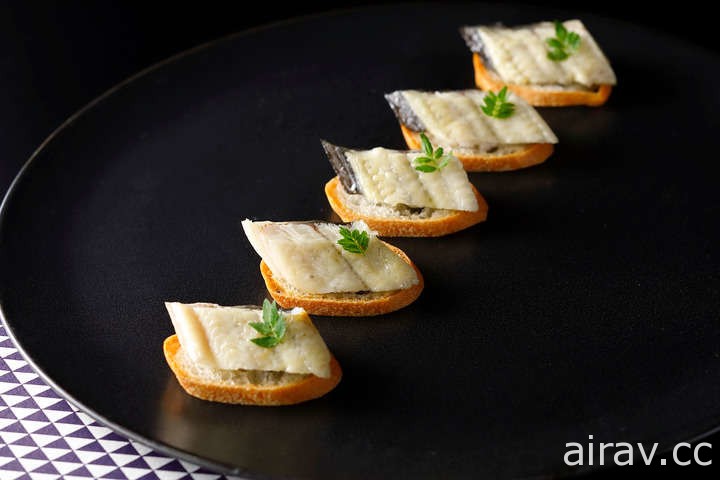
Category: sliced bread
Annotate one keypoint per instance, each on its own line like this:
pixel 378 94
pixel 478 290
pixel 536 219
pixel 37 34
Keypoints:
pixel 402 222
pixel 457 121
pixel 500 159
pixel 248 355
pixel 549 64
pixel 540 96
pixel 246 387
pixel 350 304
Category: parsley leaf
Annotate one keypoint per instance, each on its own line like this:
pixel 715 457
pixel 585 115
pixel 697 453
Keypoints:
pixel 564 44
pixel 272 327
pixel 354 241
pixel 496 104
pixel 433 159
pixel 266 342
pixel 427 146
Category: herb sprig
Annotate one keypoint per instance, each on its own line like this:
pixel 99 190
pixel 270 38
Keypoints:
pixel 564 44
pixel 433 160
pixel 354 241
pixel 496 104
pixel 272 327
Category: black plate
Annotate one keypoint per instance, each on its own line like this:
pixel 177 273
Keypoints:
pixel 587 304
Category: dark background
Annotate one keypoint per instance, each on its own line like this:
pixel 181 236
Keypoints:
pixel 55 57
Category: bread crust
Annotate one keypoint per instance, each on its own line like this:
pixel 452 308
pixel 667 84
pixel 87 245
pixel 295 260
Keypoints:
pixel 308 388
pixel 486 80
pixel 357 305
pixel 532 154
pixel 408 227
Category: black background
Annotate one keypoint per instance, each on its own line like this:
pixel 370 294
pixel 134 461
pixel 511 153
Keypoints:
pixel 55 57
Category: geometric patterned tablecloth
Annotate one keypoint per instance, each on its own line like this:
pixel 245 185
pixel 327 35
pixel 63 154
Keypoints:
pixel 44 437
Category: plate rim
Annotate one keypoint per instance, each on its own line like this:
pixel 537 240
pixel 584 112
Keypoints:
pixel 218 467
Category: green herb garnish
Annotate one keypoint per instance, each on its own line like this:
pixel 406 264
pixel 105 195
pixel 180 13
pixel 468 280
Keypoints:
pixel 354 241
pixel 273 326
pixel 433 159
pixel 564 44
pixel 496 105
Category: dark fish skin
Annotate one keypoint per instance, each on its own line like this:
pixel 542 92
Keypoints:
pixel 471 35
pixel 403 112
pixel 342 167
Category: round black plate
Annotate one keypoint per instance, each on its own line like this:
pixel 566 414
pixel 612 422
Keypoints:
pixel 587 304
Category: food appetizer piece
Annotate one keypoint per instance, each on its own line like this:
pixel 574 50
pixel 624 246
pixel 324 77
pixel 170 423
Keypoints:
pixel 403 194
pixel 487 131
pixel 548 64
pixel 331 269
pixel 249 355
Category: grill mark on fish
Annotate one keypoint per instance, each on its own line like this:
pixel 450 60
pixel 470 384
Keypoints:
pixel 387 177
pixel 333 242
pixel 560 74
pixel 525 126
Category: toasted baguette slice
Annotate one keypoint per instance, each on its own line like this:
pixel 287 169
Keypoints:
pixel 503 159
pixel 247 387
pixel 538 96
pixel 344 304
pixel 389 222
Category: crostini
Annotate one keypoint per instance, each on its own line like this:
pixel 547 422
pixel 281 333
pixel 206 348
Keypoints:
pixel 403 194
pixel 330 269
pixel 487 131
pixel 551 64
pixel 248 355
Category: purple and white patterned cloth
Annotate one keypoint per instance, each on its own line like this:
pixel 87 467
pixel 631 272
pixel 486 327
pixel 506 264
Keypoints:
pixel 44 437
